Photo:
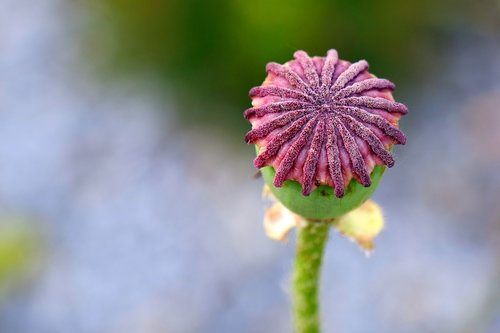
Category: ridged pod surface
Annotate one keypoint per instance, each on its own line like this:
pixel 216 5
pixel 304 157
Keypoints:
pixel 324 129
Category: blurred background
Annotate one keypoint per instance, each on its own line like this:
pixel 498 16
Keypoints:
pixel 127 196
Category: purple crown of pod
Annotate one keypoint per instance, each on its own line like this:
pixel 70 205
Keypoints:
pixel 323 121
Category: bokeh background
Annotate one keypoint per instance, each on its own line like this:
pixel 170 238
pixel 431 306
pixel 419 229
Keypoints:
pixel 127 196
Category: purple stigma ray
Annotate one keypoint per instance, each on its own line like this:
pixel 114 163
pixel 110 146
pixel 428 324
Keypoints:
pixel 309 69
pixel 328 69
pixel 357 163
pixel 311 111
pixel 278 141
pixel 291 155
pixel 293 78
pixel 367 135
pixel 312 158
pixel 334 163
pixel 280 92
pixel 362 86
pixel 276 108
pixel 376 103
pixel 349 74
pixel 376 120
pixel 267 128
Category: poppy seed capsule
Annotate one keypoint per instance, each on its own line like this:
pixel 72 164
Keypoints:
pixel 323 128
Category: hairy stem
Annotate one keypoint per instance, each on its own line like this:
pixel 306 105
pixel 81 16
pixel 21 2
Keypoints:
pixel 311 242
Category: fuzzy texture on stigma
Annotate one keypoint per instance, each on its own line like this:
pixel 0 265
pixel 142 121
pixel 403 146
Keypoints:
pixel 323 121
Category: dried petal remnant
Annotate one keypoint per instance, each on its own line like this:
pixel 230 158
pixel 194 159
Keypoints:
pixel 324 121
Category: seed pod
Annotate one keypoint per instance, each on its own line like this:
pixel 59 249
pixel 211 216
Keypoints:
pixel 324 129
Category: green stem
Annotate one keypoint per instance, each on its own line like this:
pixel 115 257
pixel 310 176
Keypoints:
pixel 311 242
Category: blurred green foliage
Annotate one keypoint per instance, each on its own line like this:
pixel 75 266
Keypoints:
pixel 19 250
pixel 210 53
